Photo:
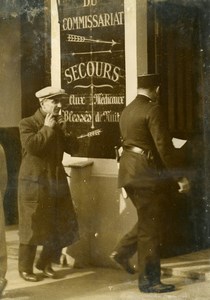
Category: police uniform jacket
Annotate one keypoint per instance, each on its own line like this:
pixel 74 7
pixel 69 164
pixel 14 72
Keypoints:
pixel 143 125
pixel 46 211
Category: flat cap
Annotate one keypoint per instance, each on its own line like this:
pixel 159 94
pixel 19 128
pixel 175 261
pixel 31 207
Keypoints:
pixel 148 80
pixel 50 92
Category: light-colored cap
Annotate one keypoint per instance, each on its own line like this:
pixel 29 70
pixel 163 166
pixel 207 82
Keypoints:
pixel 50 92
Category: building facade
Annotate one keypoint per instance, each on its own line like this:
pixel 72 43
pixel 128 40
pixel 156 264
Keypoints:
pixel 96 50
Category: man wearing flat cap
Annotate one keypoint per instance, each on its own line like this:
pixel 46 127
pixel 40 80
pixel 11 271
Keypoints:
pixel 148 161
pixel 46 211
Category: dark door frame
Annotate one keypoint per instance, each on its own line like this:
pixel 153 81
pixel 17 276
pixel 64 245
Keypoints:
pixel 163 16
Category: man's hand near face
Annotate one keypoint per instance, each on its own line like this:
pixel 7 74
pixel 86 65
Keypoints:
pixel 60 119
pixel 50 120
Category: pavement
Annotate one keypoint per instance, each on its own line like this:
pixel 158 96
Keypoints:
pixel 190 273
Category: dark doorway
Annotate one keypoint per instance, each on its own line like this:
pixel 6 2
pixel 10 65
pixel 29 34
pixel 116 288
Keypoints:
pixel 175 35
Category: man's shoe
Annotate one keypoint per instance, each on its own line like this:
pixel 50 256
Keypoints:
pixel 29 276
pixel 158 288
pixel 3 283
pixel 47 271
pixel 123 263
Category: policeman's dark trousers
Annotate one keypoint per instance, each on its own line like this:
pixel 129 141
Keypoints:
pixel 27 255
pixel 127 246
pixel 147 205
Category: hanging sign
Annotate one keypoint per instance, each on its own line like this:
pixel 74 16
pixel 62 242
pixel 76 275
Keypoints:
pixel 93 72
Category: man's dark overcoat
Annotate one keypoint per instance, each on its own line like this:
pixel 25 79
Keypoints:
pixel 143 125
pixel 46 212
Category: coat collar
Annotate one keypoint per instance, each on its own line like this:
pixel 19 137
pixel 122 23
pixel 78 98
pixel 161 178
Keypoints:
pixel 143 97
pixel 39 117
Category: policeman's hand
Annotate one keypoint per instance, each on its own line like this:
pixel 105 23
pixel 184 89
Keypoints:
pixel 184 185
pixel 49 120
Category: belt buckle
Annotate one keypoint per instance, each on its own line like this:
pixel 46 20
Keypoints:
pixel 142 152
pixel 137 150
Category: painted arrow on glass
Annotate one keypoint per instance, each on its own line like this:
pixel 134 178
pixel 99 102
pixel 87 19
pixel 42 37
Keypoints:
pixel 94 52
pixel 82 39
pixel 90 134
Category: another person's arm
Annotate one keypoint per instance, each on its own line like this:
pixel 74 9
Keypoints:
pixel 34 140
pixel 163 142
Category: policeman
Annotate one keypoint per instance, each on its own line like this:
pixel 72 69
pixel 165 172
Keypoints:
pixel 148 160
pixel 46 212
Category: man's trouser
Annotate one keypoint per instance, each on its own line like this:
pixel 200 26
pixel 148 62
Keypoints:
pixel 147 204
pixel 127 246
pixel 27 255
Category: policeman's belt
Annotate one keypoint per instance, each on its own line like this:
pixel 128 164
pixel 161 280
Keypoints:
pixel 135 149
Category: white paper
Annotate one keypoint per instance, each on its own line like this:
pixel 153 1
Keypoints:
pixel 178 143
